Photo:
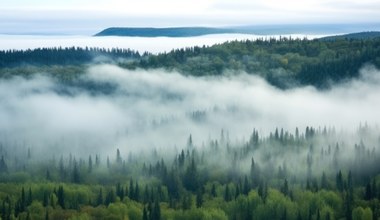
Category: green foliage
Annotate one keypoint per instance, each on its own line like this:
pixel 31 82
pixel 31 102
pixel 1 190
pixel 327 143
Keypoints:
pixel 183 186
pixel 62 56
pixel 284 62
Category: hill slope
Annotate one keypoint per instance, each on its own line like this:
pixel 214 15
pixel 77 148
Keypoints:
pixel 284 63
pixel 357 36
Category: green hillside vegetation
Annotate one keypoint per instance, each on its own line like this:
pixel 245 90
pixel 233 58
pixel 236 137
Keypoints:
pixel 357 36
pixel 317 179
pixel 284 63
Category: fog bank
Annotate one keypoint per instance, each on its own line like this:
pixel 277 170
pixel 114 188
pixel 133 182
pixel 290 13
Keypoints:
pixel 156 109
pixel 140 44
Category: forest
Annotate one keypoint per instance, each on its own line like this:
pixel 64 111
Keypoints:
pixel 266 129
pixel 311 174
pixel 284 62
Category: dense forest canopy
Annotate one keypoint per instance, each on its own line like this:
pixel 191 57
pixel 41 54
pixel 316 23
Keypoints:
pixel 311 174
pixel 284 62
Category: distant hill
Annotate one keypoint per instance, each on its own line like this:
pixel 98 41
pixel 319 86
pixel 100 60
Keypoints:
pixel 310 29
pixel 356 36
pixel 163 32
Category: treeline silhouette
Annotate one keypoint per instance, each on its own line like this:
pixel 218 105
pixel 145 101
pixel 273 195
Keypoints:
pixel 63 56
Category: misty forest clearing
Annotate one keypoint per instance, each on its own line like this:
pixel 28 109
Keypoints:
pixel 264 129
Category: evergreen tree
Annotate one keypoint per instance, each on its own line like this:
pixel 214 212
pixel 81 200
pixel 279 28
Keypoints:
pixel 227 193
pixel 339 181
pixel 118 156
pixel 145 214
pixel 246 187
pixel 131 190
pixel 263 191
pixel 76 174
pixel 99 200
pixel 23 202
pixel 324 183
pixel 47 215
pixel 137 192
pixel 213 190
pixel 285 188
pixel 190 179
pixel 3 166
pixel 156 211
pixel 199 199
pixel 30 198
pixel 110 198
pixel 89 164
pixel 61 197
pixel 46 199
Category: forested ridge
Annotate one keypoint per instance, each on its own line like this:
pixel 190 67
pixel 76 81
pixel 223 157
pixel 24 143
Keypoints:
pixel 284 62
pixel 320 177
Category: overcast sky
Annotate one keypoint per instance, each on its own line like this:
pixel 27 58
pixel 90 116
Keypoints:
pixel 89 16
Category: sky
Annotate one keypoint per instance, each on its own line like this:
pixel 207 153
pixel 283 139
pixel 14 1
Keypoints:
pixel 89 16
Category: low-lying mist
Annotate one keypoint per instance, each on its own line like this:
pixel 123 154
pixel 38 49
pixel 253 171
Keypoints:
pixel 157 109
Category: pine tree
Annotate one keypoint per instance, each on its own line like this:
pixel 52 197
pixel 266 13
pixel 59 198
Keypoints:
pixel 246 187
pixel 190 179
pixel 76 174
pixel 324 183
pixel 23 202
pixel 339 181
pixel 30 198
pixel 263 191
pixel 47 215
pixel 137 192
pixel 3 165
pixel 99 200
pixel 156 211
pixel 118 156
pixel 227 193
pixel 145 214
pixel 131 190
pixel 285 188
pixel 199 199
pixel 89 164
pixel 110 198
pixel 46 199
pixel 61 197
pixel 213 190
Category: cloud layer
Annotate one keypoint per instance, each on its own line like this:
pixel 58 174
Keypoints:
pixel 85 17
pixel 156 109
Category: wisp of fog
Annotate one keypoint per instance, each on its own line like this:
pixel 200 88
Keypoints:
pixel 159 109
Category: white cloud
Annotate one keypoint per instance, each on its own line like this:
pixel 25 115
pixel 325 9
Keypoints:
pixel 153 109
pixel 178 13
